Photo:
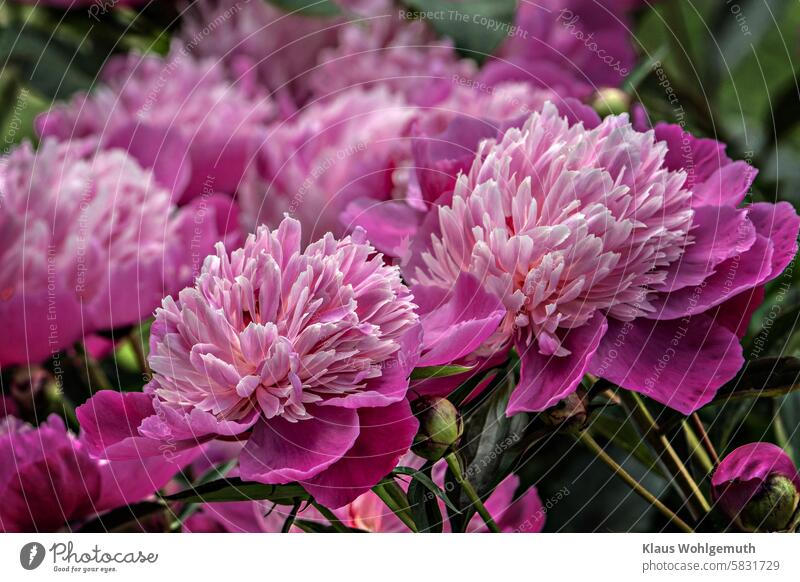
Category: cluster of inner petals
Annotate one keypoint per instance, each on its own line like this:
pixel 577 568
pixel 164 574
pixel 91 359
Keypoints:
pixel 270 329
pixel 561 222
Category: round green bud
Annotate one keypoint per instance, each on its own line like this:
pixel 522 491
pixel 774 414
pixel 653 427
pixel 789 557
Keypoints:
pixel 440 427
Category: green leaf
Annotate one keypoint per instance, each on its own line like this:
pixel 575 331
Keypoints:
pixel 235 489
pixel 424 506
pixel 476 26
pixel 489 451
pixel 438 372
pixel 319 8
pixel 309 526
pixel 117 519
pixel 617 430
pixel 426 481
pixel 762 378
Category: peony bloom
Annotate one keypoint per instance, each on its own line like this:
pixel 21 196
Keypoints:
pixel 758 485
pixel 303 354
pixel 176 115
pixel 88 244
pixel 49 482
pixel 280 48
pixel 571 47
pixel 384 49
pixel 329 156
pixel 610 255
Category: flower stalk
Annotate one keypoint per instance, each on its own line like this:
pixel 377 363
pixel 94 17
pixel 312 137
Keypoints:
pixel 586 439
pixel 455 467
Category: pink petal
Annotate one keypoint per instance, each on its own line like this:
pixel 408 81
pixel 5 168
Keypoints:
pixel 544 380
pixel 386 434
pixel 679 363
pixel 279 451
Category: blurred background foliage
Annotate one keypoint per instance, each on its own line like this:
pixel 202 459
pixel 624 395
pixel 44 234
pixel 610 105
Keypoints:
pixel 733 66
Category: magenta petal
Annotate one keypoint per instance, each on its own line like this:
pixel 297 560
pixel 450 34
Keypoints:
pixel 440 157
pixel 731 277
pixel 457 321
pixel 389 223
pixel 126 482
pixel 727 186
pixel 46 478
pixel 386 434
pixel 719 233
pixel 780 224
pixel 741 474
pixel 279 451
pixel 544 380
pixel 755 461
pixel 700 158
pixel 161 148
pixel 110 422
pixel 736 312
pixel 678 363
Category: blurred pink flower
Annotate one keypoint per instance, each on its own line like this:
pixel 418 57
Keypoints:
pixel 572 47
pixel 257 39
pixel 88 244
pixel 305 354
pixel 328 156
pixel 49 482
pixel 381 48
pixel 176 115
pixel 609 255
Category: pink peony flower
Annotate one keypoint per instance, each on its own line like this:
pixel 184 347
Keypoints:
pixel 176 115
pixel 571 47
pixel 609 255
pixel 328 156
pixel 88 245
pixel 384 49
pixel 49 482
pixel 280 48
pixel 303 354
pixel 757 484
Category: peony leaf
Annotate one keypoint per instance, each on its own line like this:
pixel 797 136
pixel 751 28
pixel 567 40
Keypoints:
pixel 424 506
pixel 438 372
pixel 426 481
pixel 235 489
pixel 762 378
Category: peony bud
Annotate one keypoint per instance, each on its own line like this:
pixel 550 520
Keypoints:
pixel 757 486
pixel 440 427
pixel 611 101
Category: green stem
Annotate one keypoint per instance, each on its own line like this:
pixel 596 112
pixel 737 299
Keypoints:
pixel 455 467
pixel 391 502
pixel 96 376
pixel 135 339
pixel 661 443
pixel 586 439
pixel 696 449
pixel 706 440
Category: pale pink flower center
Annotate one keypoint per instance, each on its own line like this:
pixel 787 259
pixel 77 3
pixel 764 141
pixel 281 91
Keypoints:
pixel 270 330
pixel 561 222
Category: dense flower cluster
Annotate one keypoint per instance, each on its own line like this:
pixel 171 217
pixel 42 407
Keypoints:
pixel 366 256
